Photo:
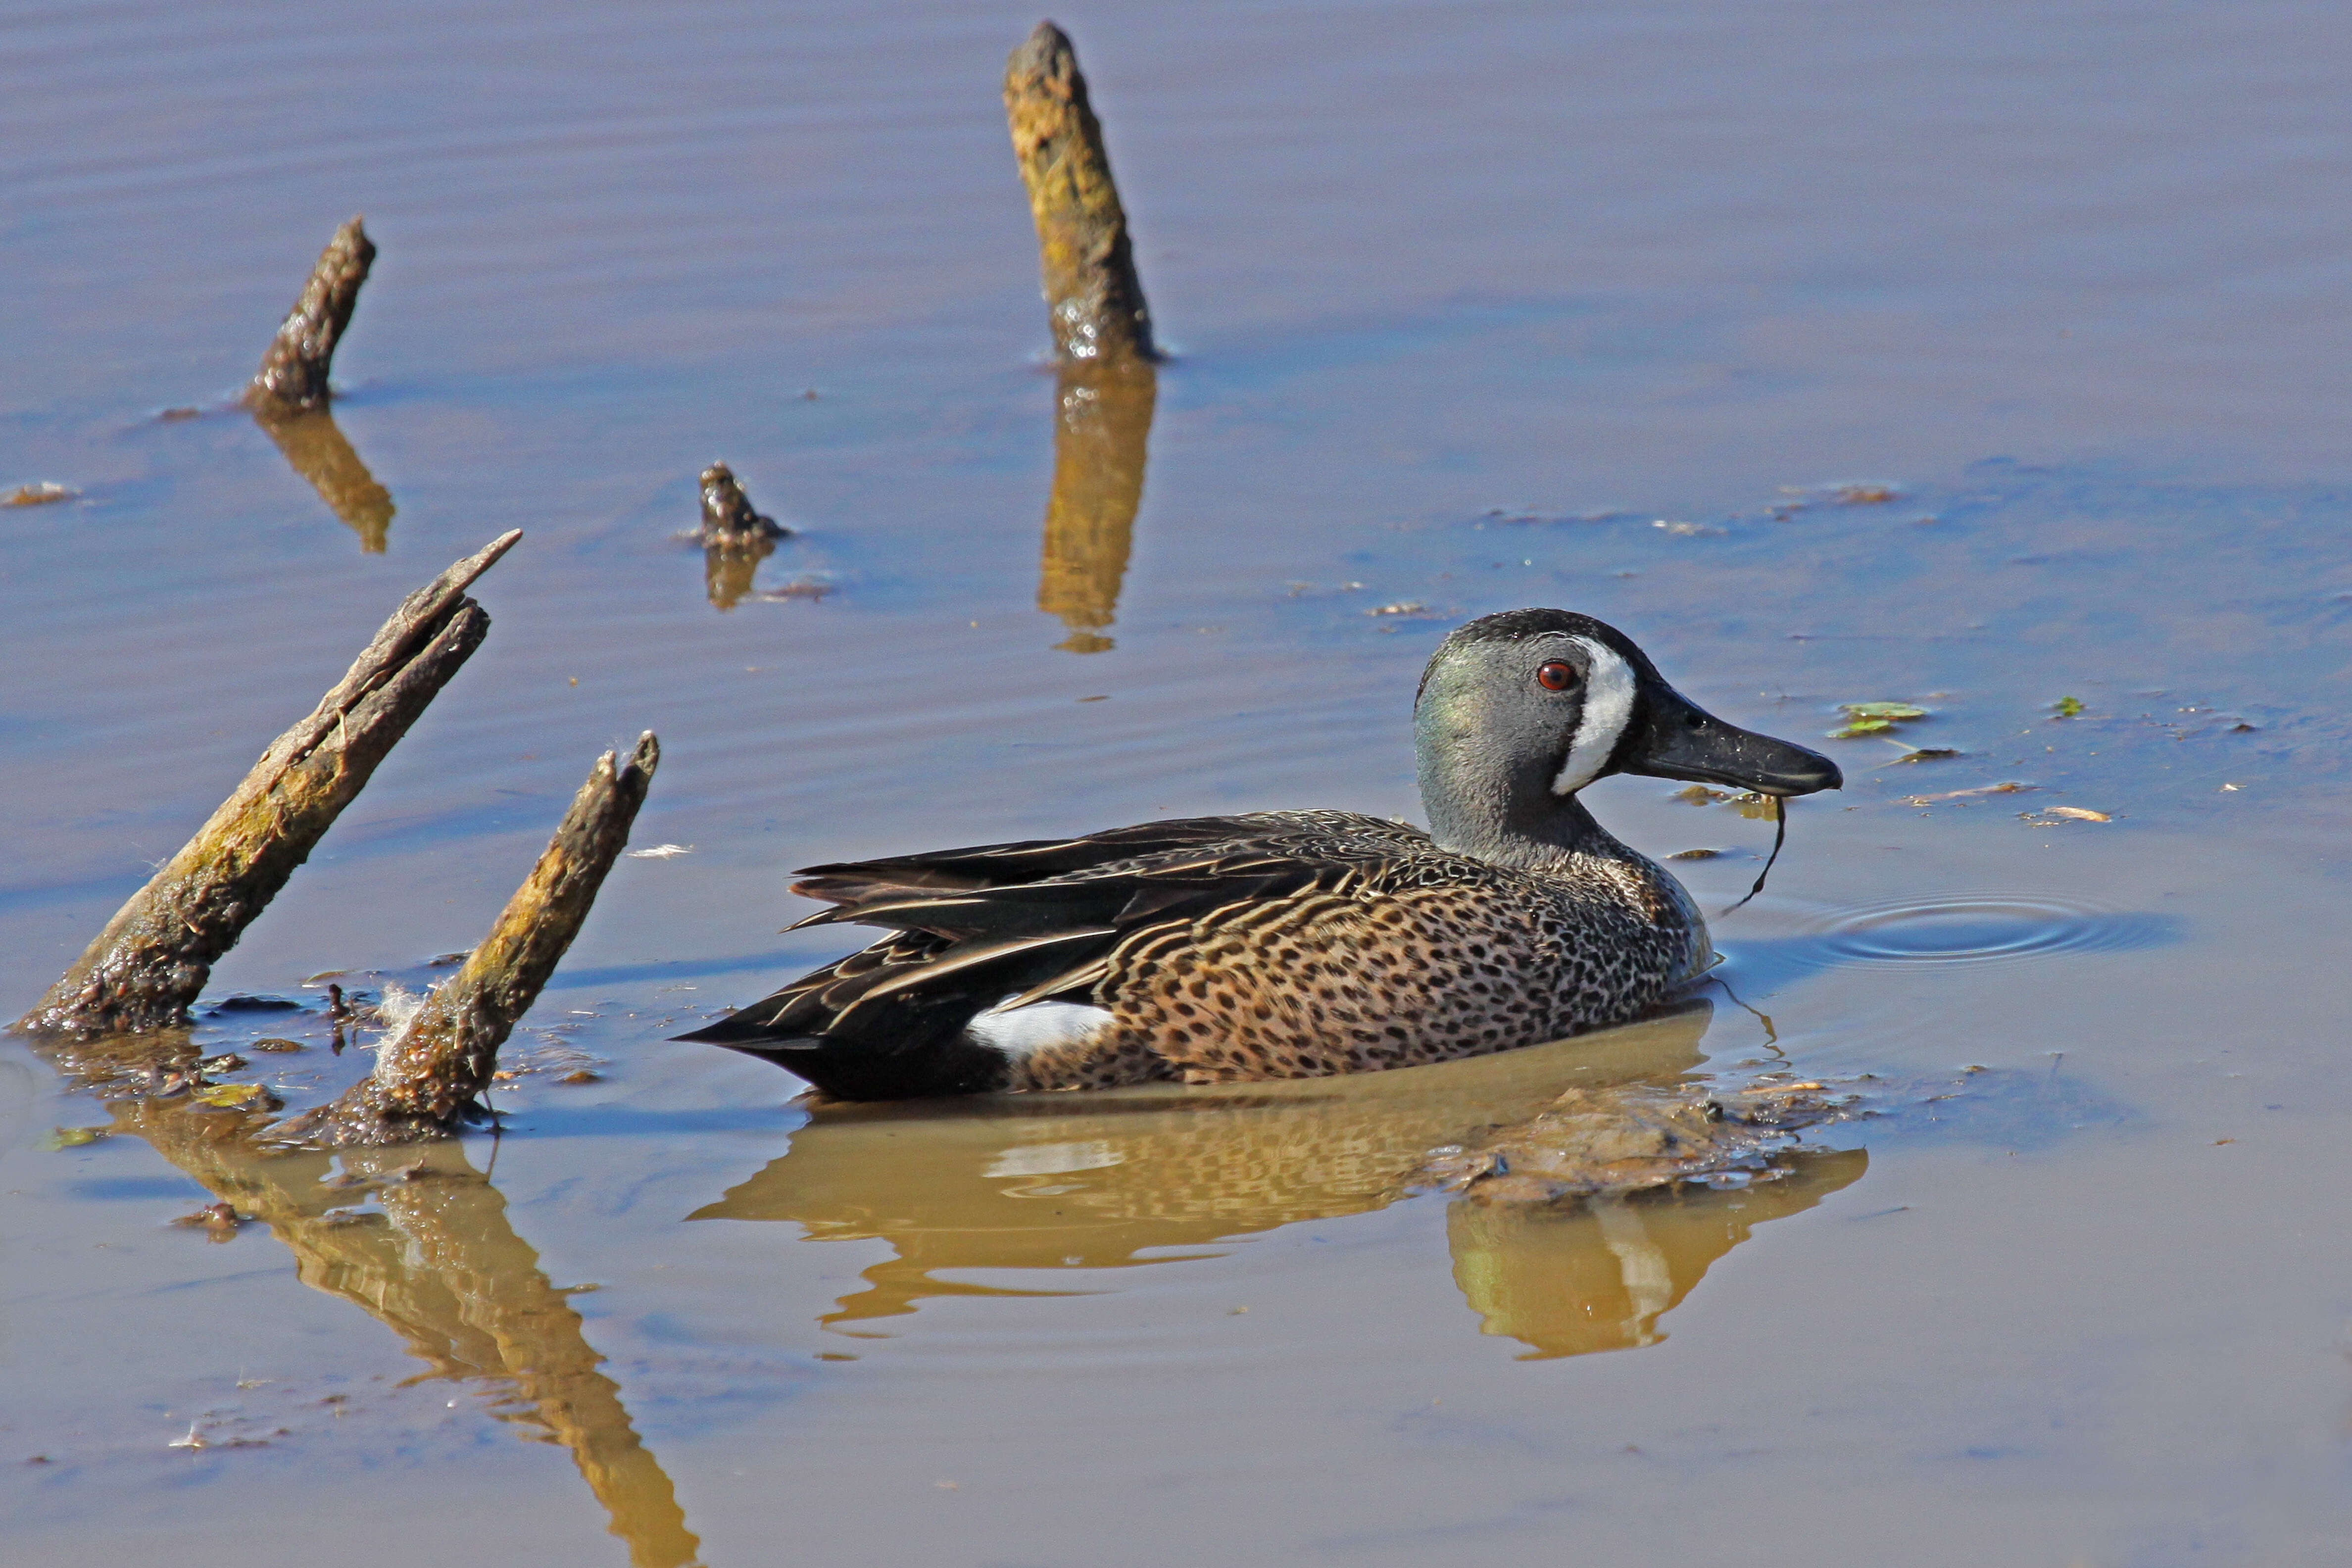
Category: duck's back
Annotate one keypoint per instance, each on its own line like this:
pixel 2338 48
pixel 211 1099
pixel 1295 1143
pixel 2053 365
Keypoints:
pixel 1277 945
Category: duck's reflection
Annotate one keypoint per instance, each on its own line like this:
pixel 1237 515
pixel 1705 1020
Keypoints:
pixel 1597 1276
pixel 1143 1177
pixel 443 1268
pixel 314 444
pixel 1102 424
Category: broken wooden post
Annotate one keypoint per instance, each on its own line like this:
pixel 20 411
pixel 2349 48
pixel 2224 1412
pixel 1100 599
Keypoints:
pixel 157 952
pixel 1092 294
pixel 429 1074
pixel 1102 422
pixel 313 443
pixel 293 374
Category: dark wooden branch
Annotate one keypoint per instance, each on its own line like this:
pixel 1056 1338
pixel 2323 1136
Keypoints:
pixel 158 951
pixel 432 1072
pixel 293 374
pixel 1092 293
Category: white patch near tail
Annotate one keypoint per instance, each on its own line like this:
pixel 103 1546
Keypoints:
pixel 1607 709
pixel 1021 1032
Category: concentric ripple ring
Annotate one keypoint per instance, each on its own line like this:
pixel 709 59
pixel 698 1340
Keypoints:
pixel 1984 928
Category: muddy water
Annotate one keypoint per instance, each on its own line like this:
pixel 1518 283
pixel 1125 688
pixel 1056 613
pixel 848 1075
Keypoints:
pixel 1474 307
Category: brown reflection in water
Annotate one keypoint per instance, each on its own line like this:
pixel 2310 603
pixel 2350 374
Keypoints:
pixel 1102 424
pixel 728 569
pixel 1052 1182
pixel 444 1269
pixel 1597 1276
pixel 315 446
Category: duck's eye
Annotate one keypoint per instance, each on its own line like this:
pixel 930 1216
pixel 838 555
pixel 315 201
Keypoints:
pixel 1556 676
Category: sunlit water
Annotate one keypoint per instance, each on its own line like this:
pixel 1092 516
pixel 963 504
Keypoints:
pixel 1474 307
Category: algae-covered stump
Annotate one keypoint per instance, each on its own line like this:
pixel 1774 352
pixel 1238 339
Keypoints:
pixel 293 374
pixel 153 957
pixel 430 1074
pixel 1092 293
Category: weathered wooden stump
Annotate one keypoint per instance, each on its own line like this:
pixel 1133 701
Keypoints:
pixel 1092 293
pixel 433 1071
pixel 156 954
pixel 293 374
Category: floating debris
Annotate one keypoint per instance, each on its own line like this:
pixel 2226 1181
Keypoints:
pixel 2004 788
pixel 1926 755
pixel 237 1096
pixel 1691 530
pixel 2049 816
pixel 1698 854
pixel 1401 608
pixel 275 1043
pixel 41 494
pixel 219 1222
pixel 1610 1141
pixel 74 1137
pixel 662 852
pixel 1699 795
pixel 1873 717
pixel 2066 707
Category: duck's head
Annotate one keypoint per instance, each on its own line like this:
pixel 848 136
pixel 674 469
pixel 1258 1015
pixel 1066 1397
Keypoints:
pixel 1517 711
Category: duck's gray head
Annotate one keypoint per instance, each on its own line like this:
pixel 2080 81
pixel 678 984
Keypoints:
pixel 1517 711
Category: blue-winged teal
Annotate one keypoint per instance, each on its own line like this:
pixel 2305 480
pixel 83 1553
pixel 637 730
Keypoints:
pixel 1294 943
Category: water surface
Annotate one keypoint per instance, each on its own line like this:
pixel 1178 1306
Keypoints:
pixel 1474 306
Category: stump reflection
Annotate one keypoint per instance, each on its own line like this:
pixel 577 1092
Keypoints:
pixel 441 1266
pixel 314 443
pixel 1102 424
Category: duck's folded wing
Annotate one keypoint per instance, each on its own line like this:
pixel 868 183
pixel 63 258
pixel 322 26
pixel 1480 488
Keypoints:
pixel 960 949
pixel 851 882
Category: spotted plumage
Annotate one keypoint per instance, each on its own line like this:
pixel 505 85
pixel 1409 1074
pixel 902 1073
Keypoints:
pixel 1299 944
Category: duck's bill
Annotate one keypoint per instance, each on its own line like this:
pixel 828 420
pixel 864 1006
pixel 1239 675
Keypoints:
pixel 1683 740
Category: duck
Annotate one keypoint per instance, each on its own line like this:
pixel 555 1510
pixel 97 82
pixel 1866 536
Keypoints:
pixel 1303 943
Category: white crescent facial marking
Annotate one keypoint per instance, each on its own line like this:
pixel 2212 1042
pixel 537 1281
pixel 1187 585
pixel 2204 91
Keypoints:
pixel 1607 709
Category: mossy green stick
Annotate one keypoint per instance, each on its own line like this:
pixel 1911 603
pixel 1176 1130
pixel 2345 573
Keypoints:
pixel 156 954
pixel 1092 293
pixel 434 1069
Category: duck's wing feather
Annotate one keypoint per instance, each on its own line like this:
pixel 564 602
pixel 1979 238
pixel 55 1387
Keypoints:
pixel 1029 921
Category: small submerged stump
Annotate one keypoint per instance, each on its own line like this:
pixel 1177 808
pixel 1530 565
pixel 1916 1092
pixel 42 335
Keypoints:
pixel 431 1074
pixel 153 957
pixel 1092 293
pixel 728 520
pixel 293 374
pixel 735 538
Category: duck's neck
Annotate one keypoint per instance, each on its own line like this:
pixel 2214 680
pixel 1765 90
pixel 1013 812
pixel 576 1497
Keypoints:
pixel 1504 818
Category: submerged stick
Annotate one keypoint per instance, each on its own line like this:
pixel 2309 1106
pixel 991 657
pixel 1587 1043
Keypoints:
pixel 158 951
pixel 1092 293
pixel 433 1071
pixel 293 374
